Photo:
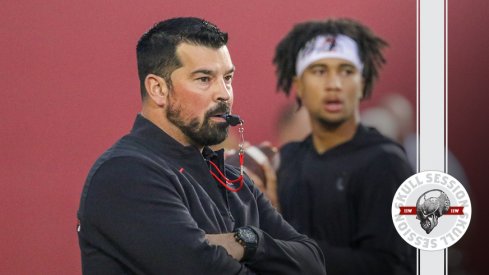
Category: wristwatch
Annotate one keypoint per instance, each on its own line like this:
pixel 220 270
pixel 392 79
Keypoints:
pixel 248 238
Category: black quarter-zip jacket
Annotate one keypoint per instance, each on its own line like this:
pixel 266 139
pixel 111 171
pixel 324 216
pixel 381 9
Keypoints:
pixel 148 202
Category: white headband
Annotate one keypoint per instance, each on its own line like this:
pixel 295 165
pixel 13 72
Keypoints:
pixel 328 46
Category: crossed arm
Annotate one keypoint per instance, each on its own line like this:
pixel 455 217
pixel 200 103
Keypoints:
pixel 227 241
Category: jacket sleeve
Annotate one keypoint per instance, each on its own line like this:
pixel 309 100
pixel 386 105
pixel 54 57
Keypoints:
pixel 281 249
pixel 136 218
pixel 376 247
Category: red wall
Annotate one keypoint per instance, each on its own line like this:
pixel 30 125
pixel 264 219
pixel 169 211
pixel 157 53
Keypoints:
pixel 70 89
pixel 468 115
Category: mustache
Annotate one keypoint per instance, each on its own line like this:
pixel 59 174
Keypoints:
pixel 221 108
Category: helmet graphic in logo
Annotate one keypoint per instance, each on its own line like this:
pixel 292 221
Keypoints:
pixel 430 206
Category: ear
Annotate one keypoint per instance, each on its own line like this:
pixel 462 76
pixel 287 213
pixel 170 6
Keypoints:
pixel 156 89
pixel 297 85
pixel 362 87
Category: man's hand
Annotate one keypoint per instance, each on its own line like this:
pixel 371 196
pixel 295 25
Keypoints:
pixel 227 241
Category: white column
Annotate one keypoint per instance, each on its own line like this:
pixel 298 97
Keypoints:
pixel 431 107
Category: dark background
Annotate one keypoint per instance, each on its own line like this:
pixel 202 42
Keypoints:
pixel 69 89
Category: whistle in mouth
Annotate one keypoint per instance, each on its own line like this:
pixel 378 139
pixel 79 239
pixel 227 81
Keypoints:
pixel 232 120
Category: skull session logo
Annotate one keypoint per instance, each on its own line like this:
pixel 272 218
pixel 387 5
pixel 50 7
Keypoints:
pixel 428 210
pixel 431 210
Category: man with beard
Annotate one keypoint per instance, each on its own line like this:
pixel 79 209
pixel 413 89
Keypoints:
pixel 159 201
pixel 337 185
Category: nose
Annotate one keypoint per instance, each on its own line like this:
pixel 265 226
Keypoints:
pixel 224 91
pixel 333 82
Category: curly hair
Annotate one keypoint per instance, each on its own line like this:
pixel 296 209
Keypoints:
pixel 370 49
pixel 156 49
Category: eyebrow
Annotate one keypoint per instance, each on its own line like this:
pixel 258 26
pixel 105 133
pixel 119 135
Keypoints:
pixel 317 65
pixel 231 70
pixel 210 72
pixel 341 65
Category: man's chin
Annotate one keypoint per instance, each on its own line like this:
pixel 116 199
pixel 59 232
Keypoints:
pixel 219 139
pixel 330 123
pixel 212 142
pixel 217 134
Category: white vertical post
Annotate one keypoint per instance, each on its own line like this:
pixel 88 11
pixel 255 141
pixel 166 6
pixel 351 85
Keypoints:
pixel 431 107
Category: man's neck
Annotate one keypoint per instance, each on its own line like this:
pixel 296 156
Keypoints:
pixel 325 138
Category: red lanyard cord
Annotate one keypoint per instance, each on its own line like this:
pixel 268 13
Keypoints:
pixel 228 181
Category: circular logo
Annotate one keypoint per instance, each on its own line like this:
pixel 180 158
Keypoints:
pixel 431 210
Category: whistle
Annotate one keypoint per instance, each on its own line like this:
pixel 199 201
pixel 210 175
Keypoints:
pixel 232 120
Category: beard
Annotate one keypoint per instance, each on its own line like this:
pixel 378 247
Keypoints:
pixel 207 134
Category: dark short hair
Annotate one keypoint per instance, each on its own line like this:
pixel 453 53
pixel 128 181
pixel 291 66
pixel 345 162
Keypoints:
pixel 370 49
pixel 156 49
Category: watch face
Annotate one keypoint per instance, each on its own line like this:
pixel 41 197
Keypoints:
pixel 248 236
